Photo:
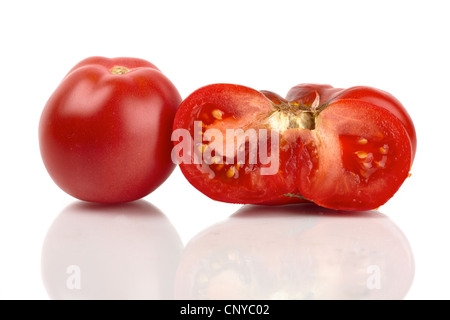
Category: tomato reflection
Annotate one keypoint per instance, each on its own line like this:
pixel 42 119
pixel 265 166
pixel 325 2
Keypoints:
pixel 127 251
pixel 297 252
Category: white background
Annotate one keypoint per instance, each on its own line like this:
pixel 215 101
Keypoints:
pixel 399 46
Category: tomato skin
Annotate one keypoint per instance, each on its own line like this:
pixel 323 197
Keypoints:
pixel 104 134
pixel 348 149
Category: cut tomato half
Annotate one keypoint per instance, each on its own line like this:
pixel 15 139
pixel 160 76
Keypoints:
pixel 334 147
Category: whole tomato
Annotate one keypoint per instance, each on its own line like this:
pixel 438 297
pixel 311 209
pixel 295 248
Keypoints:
pixel 104 134
pixel 348 149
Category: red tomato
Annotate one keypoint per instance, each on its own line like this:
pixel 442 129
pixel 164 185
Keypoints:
pixel 343 149
pixel 105 132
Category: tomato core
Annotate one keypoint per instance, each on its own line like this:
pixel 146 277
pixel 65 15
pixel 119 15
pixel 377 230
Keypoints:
pixel 291 116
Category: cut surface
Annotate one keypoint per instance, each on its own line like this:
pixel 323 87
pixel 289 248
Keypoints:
pixel 360 159
pixel 339 153
pixel 236 145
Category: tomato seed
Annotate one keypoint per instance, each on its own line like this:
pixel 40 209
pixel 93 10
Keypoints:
pixel 216 113
pixel 384 150
pixel 361 154
pixel 230 172
pixel 362 141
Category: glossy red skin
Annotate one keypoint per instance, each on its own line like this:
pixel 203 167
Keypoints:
pixel 324 182
pixel 106 137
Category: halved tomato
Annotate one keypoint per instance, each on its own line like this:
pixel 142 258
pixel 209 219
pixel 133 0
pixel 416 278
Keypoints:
pixel 342 149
